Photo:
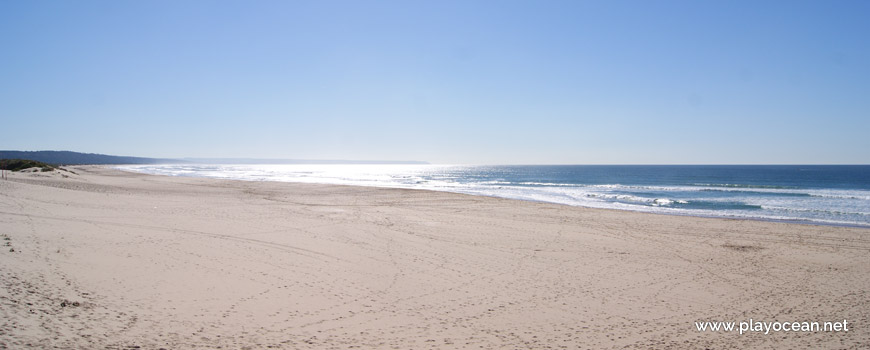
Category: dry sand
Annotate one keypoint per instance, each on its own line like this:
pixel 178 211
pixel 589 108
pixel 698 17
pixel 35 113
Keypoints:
pixel 107 259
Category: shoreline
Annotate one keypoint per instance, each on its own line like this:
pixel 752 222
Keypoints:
pixel 726 217
pixel 107 258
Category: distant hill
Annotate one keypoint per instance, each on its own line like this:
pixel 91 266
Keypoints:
pixel 73 158
pixel 76 158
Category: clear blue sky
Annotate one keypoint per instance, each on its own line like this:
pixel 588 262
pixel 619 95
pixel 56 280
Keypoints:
pixel 496 82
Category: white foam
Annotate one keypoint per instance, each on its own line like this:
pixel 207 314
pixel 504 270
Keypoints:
pixel 824 206
pixel 662 201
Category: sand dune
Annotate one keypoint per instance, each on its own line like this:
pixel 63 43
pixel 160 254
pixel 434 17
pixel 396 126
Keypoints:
pixel 107 259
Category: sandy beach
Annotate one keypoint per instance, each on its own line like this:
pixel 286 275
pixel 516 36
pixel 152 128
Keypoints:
pixel 97 258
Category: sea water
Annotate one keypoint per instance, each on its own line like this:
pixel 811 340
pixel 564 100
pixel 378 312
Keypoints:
pixel 821 194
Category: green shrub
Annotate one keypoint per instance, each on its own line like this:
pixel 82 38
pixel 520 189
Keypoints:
pixel 21 164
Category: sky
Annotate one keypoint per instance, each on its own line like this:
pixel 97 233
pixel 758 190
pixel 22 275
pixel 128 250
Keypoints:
pixel 453 82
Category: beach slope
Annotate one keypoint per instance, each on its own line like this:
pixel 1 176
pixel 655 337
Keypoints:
pixel 99 258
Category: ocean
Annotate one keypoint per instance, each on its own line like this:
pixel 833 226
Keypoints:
pixel 818 194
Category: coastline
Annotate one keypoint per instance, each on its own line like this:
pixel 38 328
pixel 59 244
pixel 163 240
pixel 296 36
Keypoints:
pixel 184 262
pixel 390 185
